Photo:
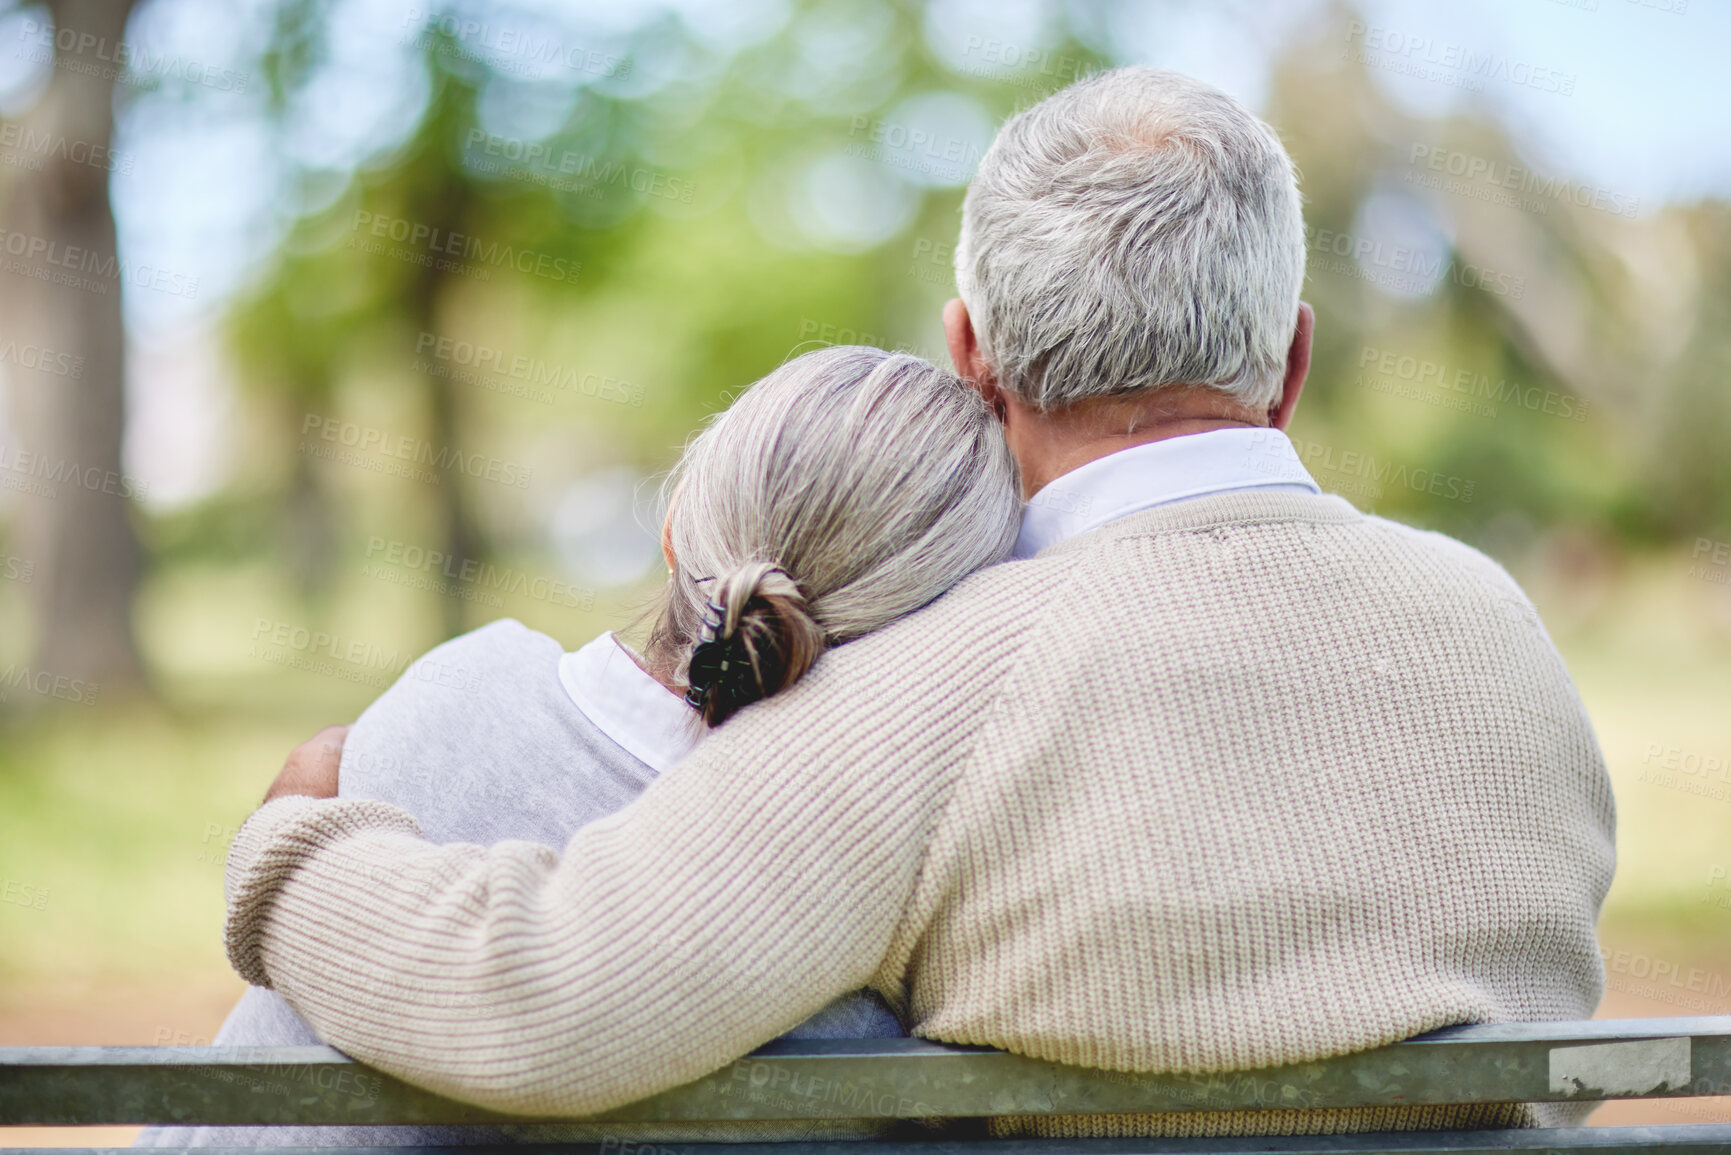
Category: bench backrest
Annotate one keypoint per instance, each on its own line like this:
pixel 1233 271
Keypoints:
pixel 888 1078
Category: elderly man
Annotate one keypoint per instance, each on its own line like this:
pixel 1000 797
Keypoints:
pixel 1224 774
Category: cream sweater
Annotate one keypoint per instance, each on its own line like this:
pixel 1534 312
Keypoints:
pixel 1233 782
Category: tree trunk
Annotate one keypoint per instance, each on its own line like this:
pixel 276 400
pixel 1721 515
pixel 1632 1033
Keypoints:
pixel 77 526
pixel 446 207
pixel 309 530
pixel 461 540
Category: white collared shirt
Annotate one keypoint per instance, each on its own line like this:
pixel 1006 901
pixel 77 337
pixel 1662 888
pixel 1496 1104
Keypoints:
pixel 652 723
pixel 1143 476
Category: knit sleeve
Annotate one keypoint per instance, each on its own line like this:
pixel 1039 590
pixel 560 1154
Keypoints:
pixel 750 885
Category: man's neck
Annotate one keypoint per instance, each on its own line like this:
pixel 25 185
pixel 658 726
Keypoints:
pixel 1049 445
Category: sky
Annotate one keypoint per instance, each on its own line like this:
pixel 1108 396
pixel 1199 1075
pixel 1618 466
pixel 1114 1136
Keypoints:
pixel 1646 110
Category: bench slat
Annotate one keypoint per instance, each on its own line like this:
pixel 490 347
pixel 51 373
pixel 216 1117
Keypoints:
pixel 886 1078
pixel 1699 1139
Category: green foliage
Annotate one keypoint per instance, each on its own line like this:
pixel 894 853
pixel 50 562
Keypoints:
pixel 1541 312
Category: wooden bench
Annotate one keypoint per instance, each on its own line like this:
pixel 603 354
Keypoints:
pixel 912 1079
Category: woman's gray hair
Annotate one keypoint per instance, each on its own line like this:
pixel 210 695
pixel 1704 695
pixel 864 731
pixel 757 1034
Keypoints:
pixel 1133 230
pixel 846 488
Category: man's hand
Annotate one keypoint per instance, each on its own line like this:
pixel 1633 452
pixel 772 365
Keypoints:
pixel 311 769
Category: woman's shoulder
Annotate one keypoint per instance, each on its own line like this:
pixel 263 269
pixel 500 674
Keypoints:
pixel 501 669
pixel 506 636
pixel 497 660
pixel 464 731
pixel 504 645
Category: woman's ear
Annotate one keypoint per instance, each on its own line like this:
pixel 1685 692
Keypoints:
pixel 667 526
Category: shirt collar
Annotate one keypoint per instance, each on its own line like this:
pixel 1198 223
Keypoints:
pixel 1143 476
pixel 625 703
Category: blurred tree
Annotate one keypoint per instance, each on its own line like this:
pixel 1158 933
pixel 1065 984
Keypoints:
pixel 82 539
pixel 322 305
pixel 1529 317
pixel 324 302
pixel 1687 459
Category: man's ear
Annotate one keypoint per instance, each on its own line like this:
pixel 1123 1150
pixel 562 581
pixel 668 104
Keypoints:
pixel 965 355
pixel 1297 368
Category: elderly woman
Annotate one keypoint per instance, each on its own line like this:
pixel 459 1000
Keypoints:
pixel 845 489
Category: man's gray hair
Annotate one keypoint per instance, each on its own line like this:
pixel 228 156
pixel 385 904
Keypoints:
pixel 1136 229
pixel 846 488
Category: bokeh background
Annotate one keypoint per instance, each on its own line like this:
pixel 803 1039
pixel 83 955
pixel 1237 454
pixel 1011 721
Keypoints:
pixel 329 330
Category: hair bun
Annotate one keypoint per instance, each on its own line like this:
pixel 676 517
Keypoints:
pixel 758 640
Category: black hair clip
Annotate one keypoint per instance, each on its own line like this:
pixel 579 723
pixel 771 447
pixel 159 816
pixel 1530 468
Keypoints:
pixel 721 678
pixel 720 669
pixel 712 620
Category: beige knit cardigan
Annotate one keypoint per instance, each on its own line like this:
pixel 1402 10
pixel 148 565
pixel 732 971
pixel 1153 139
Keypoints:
pixel 1238 781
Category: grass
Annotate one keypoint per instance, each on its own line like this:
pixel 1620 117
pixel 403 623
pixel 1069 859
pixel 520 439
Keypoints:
pixel 1653 664
pixel 123 817
pixel 122 811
